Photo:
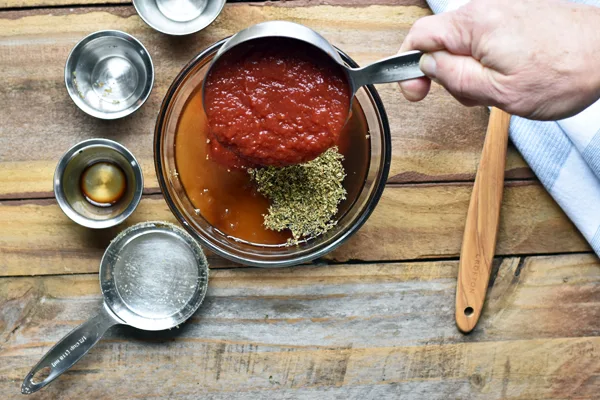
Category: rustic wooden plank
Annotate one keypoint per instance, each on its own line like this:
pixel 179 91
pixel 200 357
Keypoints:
pixel 16 4
pixel 410 222
pixel 427 221
pixel 349 331
pixel 355 3
pixel 44 241
pixel 435 140
pixel 284 3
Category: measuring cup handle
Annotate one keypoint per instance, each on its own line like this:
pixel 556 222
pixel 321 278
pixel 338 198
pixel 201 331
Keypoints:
pixel 397 68
pixel 69 350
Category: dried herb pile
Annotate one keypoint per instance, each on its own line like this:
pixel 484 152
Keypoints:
pixel 304 197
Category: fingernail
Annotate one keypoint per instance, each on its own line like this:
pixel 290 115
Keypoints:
pixel 428 65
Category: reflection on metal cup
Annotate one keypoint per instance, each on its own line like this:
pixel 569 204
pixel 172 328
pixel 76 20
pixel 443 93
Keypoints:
pixel 73 192
pixel 109 74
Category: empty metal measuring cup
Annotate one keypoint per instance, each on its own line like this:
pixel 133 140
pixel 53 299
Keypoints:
pixel 396 68
pixel 153 276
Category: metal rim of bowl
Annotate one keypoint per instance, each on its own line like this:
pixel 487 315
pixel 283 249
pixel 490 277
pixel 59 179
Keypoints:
pixel 195 30
pixel 64 204
pixel 92 111
pixel 106 275
pixel 357 224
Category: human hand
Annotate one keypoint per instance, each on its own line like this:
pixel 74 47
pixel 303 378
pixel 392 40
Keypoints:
pixel 538 59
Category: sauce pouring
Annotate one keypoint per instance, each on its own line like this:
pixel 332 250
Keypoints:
pixel 278 94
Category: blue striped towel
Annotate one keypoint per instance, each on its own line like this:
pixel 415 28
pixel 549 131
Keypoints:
pixel 565 154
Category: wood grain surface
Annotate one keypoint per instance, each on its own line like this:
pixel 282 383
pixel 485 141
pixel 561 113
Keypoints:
pixel 410 222
pixel 366 322
pixel 481 224
pixel 283 3
pixel 352 332
pixel 435 140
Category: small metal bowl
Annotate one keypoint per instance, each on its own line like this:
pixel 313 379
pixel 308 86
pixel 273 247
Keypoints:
pixel 109 74
pixel 67 183
pixel 178 17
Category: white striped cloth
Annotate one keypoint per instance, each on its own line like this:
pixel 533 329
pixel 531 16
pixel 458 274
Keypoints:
pixel 565 154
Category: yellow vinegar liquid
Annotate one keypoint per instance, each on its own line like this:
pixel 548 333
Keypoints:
pixel 103 184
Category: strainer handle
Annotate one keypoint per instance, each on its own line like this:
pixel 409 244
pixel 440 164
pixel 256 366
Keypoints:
pixel 68 351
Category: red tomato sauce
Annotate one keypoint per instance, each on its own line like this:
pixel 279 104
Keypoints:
pixel 222 155
pixel 276 102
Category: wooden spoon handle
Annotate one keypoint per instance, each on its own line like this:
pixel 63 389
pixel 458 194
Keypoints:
pixel 479 240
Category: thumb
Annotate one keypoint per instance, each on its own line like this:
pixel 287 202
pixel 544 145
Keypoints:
pixel 463 76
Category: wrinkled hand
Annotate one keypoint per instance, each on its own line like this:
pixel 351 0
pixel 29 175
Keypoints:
pixel 539 59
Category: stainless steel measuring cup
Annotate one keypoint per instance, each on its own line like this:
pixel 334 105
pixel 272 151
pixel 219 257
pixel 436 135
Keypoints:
pixel 396 68
pixel 153 276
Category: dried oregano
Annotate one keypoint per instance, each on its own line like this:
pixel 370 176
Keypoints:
pixel 304 197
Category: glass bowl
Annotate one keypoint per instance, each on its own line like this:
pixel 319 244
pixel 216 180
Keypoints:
pixel 242 252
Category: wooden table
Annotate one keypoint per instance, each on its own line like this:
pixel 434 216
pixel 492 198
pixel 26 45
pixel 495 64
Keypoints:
pixel 373 320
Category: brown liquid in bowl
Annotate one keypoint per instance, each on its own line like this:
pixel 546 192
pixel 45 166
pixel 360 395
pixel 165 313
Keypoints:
pixel 227 199
pixel 103 184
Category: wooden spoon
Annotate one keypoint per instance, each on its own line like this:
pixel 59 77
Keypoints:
pixel 479 240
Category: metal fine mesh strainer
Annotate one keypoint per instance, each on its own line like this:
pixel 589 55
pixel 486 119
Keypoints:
pixel 153 276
